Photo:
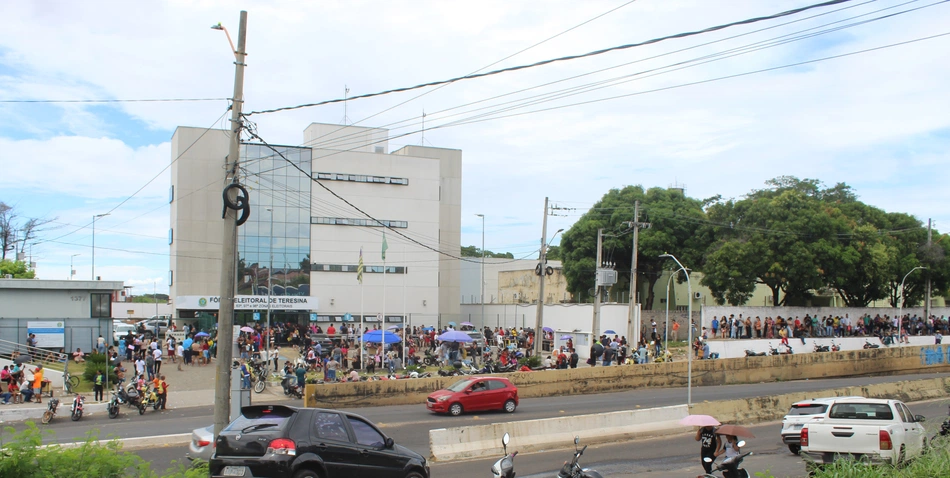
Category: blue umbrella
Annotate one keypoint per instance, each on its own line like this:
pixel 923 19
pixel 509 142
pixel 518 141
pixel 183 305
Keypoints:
pixel 201 334
pixel 452 324
pixel 566 337
pixel 428 329
pixel 378 337
pixel 455 336
pixel 609 331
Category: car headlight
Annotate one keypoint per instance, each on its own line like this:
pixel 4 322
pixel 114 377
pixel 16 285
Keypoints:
pixel 443 398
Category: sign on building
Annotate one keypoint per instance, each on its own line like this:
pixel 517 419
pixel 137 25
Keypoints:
pixel 48 334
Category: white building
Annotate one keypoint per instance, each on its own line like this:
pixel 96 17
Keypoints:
pixel 308 240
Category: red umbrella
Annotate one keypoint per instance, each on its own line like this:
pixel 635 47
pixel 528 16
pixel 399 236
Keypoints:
pixel 699 421
pixel 735 430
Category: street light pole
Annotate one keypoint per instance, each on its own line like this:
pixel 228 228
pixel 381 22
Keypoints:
pixel 900 302
pixel 72 271
pixel 539 316
pixel 225 342
pixel 689 324
pixel 482 279
pixel 270 266
pixel 94 243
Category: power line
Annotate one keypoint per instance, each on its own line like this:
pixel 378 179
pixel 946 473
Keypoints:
pixel 146 100
pixel 560 59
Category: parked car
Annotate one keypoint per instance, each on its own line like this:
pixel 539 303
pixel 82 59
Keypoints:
pixel 866 429
pixel 119 330
pixel 151 324
pixel 477 337
pixel 201 447
pixel 280 441
pixel 800 413
pixel 473 394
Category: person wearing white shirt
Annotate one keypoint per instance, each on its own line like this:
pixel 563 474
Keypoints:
pixel 157 354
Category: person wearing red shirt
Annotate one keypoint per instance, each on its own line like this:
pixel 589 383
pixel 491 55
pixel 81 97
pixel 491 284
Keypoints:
pixel 331 330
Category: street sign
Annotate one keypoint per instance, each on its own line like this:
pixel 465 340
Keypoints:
pixel 313 317
pixel 347 317
pixel 257 316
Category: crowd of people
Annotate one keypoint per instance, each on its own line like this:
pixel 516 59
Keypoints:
pixel 881 326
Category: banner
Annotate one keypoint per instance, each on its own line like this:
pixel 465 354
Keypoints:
pixel 48 334
pixel 248 302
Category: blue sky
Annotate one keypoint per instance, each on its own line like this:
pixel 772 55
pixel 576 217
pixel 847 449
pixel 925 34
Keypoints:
pixel 876 121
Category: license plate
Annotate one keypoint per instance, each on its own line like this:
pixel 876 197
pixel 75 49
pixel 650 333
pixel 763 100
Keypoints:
pixel 233 471
pixel 798 427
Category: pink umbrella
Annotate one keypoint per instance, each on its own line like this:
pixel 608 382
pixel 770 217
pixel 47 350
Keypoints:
pixel 699 421
pixel 246 329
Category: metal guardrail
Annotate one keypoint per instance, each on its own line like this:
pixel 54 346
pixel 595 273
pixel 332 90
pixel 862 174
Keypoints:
pixel 55 363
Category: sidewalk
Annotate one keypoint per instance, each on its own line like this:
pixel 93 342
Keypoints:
pixel 192 386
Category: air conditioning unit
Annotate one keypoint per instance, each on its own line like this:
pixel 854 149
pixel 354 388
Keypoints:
pixel 697 295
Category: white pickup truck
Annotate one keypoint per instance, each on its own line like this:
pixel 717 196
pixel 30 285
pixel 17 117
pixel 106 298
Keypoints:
pixel 865 429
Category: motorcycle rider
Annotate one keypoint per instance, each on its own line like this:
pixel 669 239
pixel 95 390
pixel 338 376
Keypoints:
pixel 729 446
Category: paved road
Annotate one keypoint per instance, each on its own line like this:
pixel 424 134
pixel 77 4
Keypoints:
pixel 410 424
pixel 649 458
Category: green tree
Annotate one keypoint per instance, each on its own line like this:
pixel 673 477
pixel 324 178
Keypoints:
pixel 17 269
pixel 675 220
pixel 472 251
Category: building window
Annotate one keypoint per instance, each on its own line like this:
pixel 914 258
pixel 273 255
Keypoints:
pixel 101 305
pixel 171 235
pixel 362 178
pixel 171 277
pixel 171 194
pixel 346 221
pixel 353 267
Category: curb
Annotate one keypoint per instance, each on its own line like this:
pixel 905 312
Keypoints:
pixel 15 415
pixel 136 443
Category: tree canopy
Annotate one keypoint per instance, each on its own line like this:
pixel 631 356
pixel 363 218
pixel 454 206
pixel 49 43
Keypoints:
pixel 472 251
pixel 795 236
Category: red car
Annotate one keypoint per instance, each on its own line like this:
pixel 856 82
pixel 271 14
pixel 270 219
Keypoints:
pixel 475 394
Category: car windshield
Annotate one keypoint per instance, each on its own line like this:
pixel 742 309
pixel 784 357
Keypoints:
pixel 459 386
pixel 809 409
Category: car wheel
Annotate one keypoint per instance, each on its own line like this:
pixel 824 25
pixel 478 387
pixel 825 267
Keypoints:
pixel 510 406
pixel 307 474
pixel 414 474
pixel 794 449
pixel 901 457
pixel 455 409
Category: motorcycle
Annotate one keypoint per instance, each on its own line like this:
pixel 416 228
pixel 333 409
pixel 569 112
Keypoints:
pixel 489 367
pixel 835 347
pixel 429 359
pixel 259 376
pixel 76 408
pixel 50 411
pixel 869 345
pixel 505 467
pixel 291 389
pixel 729 466
pixel 822 348
pixel 573 469
pixel 775 351
pixel 129 396
pixel 149 399
pixel 753 353
pixel 944 430
pixel 113 405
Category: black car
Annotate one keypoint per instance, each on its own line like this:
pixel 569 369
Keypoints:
pixel 282 441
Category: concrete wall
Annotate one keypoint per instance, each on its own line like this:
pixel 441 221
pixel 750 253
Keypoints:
pixel 895 360
pixel 853 312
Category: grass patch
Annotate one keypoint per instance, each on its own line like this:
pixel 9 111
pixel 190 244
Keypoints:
pixel 934 463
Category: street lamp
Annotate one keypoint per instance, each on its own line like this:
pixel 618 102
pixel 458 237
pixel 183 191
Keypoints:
pixel 483 268
pixel 900 303
pixel 94 243
pixel 72 271
pixel 689 324
pixel 270 266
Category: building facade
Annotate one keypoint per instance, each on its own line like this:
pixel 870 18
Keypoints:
pixel 316 211
pixel 65 314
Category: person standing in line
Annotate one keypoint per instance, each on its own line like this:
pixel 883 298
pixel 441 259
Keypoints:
pixel 162 390
pixel 101 344
pixel 708 444
pixel 97 385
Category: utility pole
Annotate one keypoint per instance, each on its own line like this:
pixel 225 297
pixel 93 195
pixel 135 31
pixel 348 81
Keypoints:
pixel 225 345
pixel 539 317
pixel 929 245
pixel 633 317
pixel 595 329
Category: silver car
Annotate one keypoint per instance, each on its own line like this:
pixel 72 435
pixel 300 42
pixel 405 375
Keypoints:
pixel 202 444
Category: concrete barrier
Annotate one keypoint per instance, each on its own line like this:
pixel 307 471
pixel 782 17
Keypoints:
pixel 774 407
pixel 446 444
pixel 882 361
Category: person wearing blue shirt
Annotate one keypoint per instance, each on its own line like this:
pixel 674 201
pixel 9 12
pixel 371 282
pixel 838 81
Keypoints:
pixel 186 353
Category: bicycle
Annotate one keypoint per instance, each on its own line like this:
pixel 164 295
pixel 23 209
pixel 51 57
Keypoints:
pixel 70 382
